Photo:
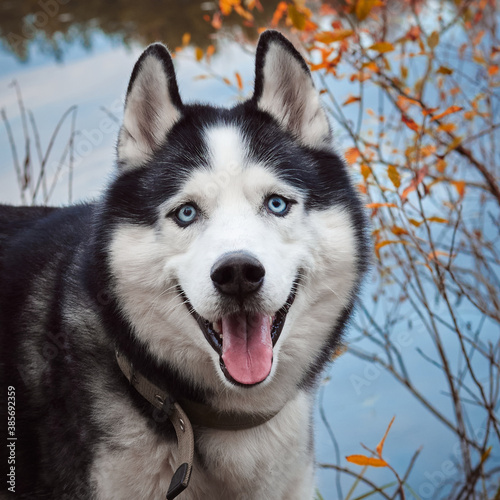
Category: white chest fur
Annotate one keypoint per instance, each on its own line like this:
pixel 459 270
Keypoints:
pixel 271 461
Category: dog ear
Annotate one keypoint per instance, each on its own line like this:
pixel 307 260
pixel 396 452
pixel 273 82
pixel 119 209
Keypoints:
pixel 152 107
pixel 284 88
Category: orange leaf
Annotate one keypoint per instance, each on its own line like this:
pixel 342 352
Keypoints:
pixel 365 171
pixel 351 99
pixel 444 70
pixel 382 47
pixel 378 246
pixel 409 123
pixel 380 446
pixel 486 454
pixel 363 8
pixel 393 174
pixel 413 33
pixel 447 127
pixel 479 59
pixel 428 111
pixel 427 150
pixel 245 14
pixel 414 222
pixel 361 76
pixel 404 102
pixel 316 67
pixel 217 21
pixel 477 39
pixel 363 460
pixel 460 187
pixel 372 65
pixel 210 51
pixel 441 165
pixel 449 111
pixel 198 54
pixel 415 182
pixel 186 38
pixel 379 205
pixel 433 40
pixel 438 219
pixel 351 155
pixel 226 81
pixel 298 17
pixel 398 230
pixel 239 81
pixel 328 37
pixel 493 70
pixel 226 6
pixel 278 13
pixel 436 253
pixel 454 143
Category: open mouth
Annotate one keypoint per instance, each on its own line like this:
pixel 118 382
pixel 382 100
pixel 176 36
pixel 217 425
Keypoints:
pixel 244 341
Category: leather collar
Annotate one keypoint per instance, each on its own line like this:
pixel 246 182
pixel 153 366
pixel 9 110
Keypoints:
pixel 182 413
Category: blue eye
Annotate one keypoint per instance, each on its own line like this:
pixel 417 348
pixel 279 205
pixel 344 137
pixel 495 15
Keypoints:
pixel 186 214
pixel 277 205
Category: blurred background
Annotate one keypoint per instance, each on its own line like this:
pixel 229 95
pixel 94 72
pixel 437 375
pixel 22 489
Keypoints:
pixel 412 91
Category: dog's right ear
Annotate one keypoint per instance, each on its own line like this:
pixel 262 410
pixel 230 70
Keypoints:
pixel 152 107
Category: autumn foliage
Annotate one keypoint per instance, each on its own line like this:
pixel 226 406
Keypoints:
pixel 419 130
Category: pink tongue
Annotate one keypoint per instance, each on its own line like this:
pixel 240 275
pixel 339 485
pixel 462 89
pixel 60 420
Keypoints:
pixel 247 348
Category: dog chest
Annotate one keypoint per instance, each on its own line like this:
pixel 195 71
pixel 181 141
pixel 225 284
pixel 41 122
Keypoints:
pixel 272 461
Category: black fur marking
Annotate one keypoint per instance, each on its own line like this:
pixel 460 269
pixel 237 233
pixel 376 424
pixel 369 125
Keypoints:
pixel 52 419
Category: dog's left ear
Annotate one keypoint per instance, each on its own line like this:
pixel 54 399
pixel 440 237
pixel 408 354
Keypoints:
pixel 284 88
pixel 152 107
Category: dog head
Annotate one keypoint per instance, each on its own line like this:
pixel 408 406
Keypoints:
pixel 237 240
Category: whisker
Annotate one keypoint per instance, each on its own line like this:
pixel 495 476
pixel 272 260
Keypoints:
pixel 157 298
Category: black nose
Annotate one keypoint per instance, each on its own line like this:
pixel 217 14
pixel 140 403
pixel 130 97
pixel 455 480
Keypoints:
pixel 237 274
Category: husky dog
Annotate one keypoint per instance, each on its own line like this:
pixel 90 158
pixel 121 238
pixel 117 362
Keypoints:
pixel 170 336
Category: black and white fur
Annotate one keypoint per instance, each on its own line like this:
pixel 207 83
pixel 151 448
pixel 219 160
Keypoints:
pixel 79 281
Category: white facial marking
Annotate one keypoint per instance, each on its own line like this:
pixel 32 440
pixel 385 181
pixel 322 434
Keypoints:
pixel 231 194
